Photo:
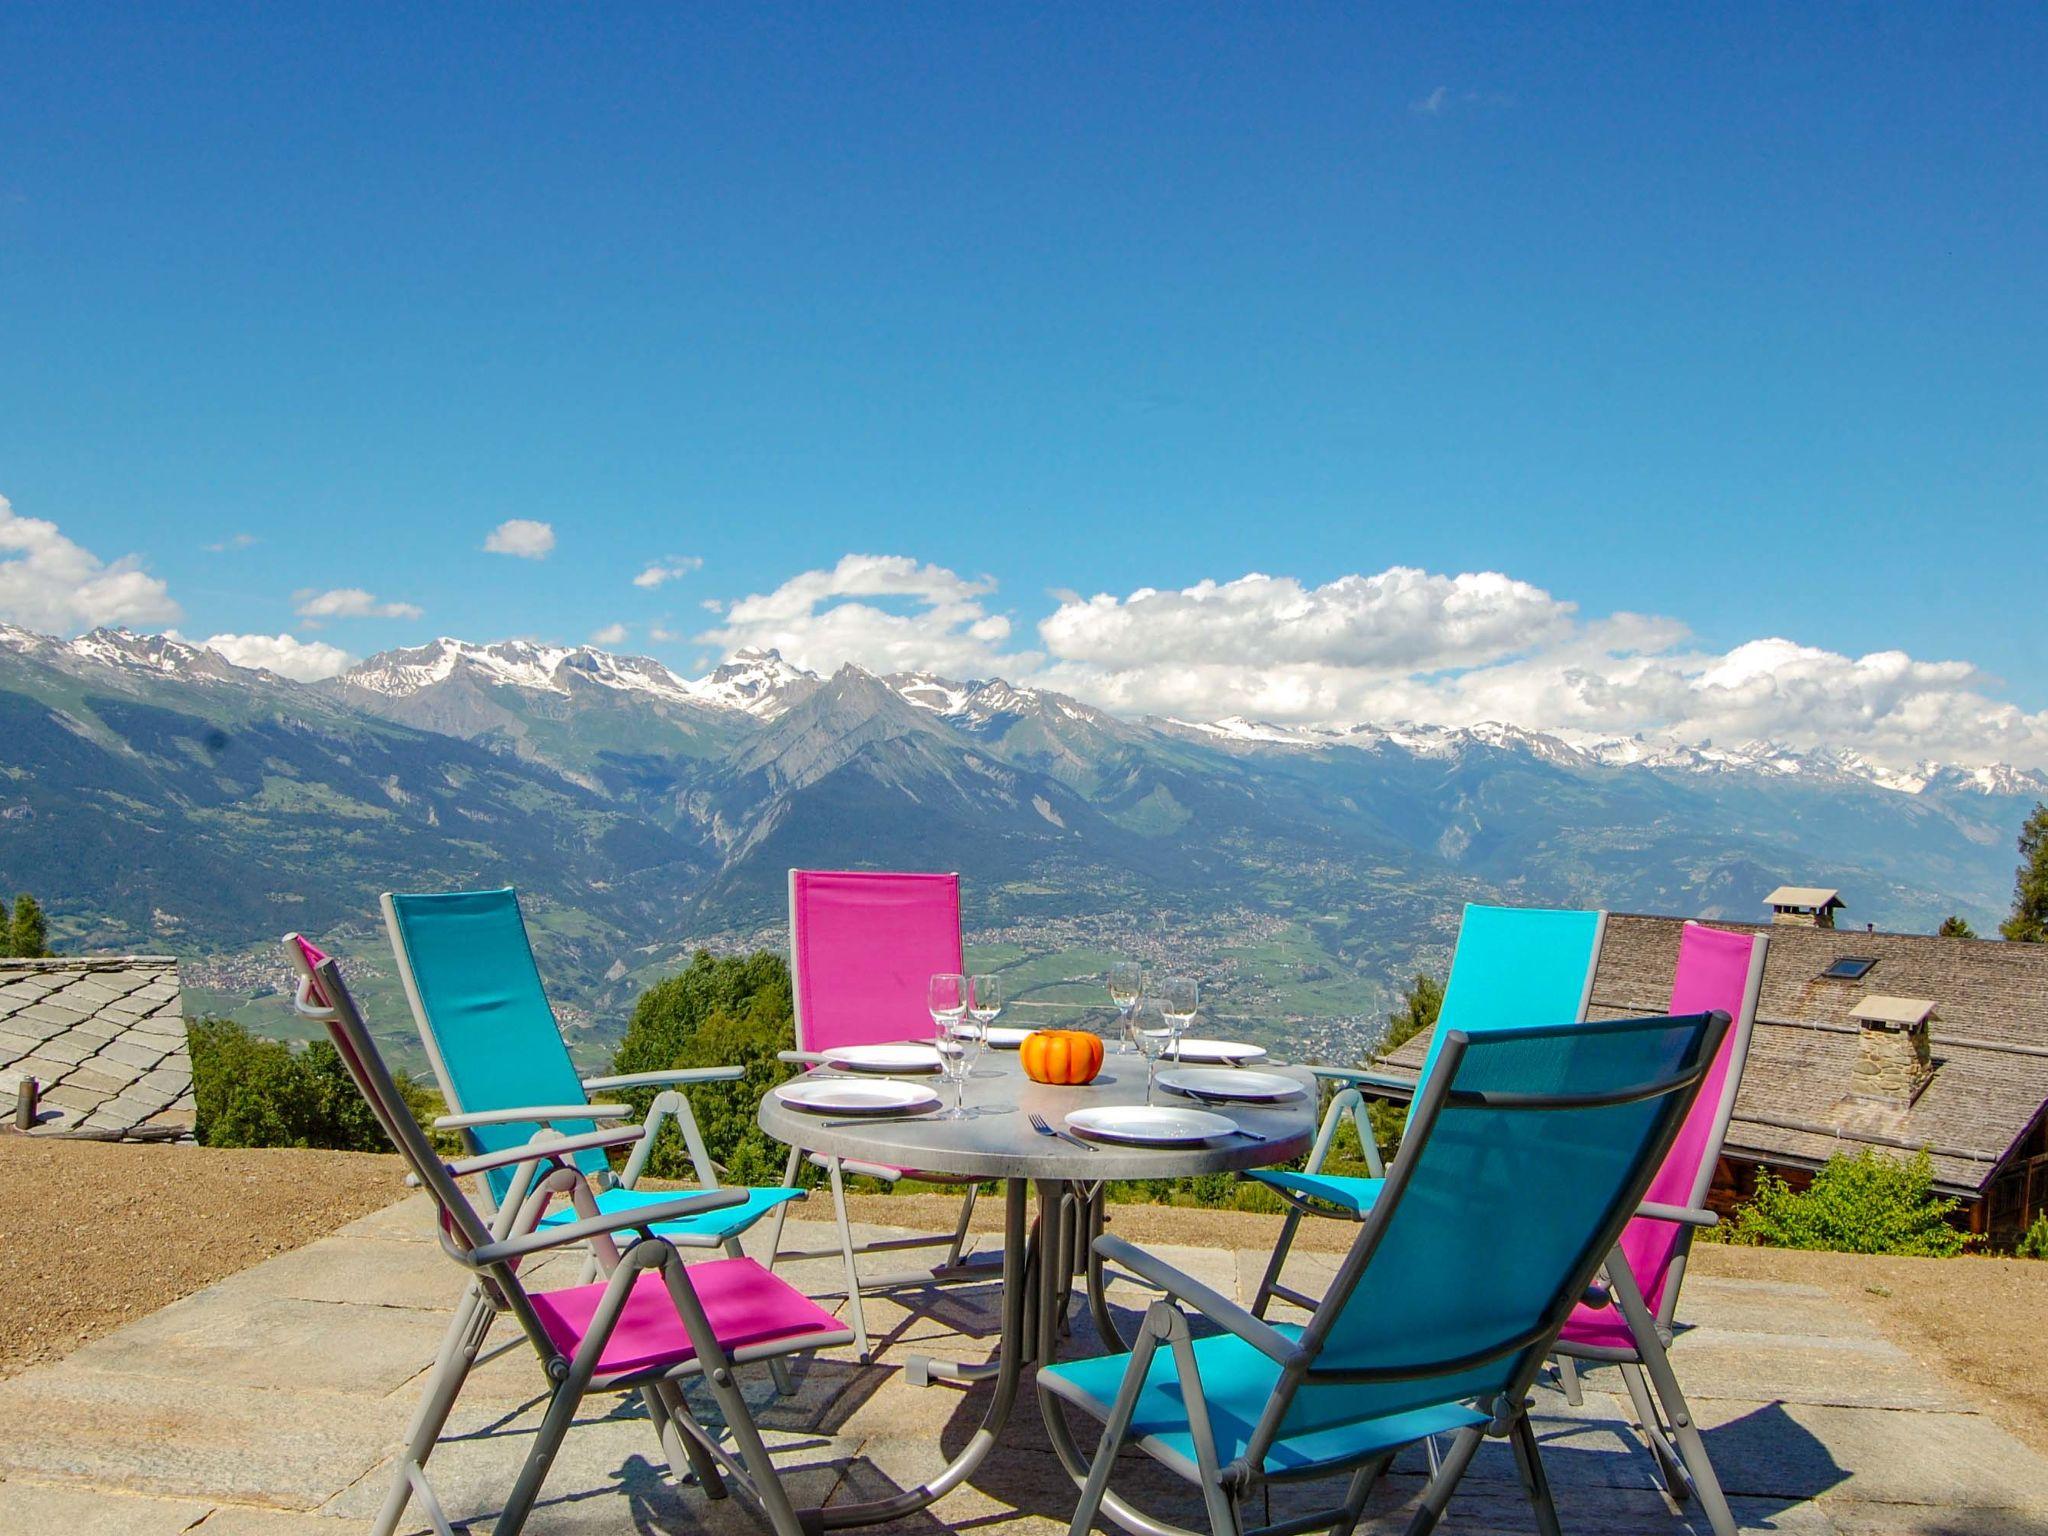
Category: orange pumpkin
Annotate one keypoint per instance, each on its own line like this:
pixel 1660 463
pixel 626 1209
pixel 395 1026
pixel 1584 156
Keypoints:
pixel 1061 1056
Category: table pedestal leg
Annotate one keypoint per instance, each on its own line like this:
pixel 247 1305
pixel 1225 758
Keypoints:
pixel 1020 1328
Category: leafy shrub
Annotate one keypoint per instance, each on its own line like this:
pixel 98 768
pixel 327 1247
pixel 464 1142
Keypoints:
pixel 1866 1203
pixel 2033 1242
pixel 721 1011
pixel 254 1092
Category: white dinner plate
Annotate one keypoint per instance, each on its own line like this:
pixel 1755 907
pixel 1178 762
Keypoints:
pixel 883 1058
pixel 1003 1038
pixel 845 1096
pixel 1146 1125
pixel 1226 1083
pixel 1210 1052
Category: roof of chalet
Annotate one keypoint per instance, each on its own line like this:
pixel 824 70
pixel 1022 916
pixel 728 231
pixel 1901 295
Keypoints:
pixel 1818 897
pixel 1988 1039
pixel 105 1037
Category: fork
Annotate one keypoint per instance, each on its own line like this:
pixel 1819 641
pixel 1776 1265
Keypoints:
pixel 1039 1124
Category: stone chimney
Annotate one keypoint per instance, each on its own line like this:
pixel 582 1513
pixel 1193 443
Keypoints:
pixel 1804 906
pixel 1893 1058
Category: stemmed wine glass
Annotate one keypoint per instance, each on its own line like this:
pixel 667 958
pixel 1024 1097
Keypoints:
pixel 984 1004
pixel 1147 1042
pixel 947 1000
pixel 1126 988
pixel 1178 999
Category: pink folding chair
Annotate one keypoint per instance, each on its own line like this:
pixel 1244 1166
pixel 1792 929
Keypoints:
pixel 650 1325
pixel 1632 1327
pixel 863 948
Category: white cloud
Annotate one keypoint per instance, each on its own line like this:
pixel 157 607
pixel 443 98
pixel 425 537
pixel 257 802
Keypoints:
pixel 712 605
pixel 350 603
pixel 522 536
pixel 1406 645
pixel 232 542
pixel 1402 619
pixel 886 612
pixel 611 634
pixel 304 660
pixel 661 634
pixel 1432 105
pixel 50 584
pixel 667 569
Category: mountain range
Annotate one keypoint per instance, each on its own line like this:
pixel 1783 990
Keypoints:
pixel 158 796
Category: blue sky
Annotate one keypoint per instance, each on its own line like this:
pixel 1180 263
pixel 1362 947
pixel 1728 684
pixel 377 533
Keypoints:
pixel 1734 319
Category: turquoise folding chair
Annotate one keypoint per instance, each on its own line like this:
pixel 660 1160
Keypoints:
pixel 1526 1154
pixel 498 1056
pixel 1513 965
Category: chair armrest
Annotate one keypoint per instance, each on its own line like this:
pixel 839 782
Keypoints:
pixel 543 1147
pixel 1214 1305
pixel 662 1079
pixel 542 1113
pixel 572 1232
pixel 1376 1082
pixel 1684 1215
pixel 801 1059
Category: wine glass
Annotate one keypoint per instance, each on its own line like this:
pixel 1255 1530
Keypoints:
pixel 1126 987
pixel 1178 999
pixel 1146 1041
pixel 984 1003
pixel 947 999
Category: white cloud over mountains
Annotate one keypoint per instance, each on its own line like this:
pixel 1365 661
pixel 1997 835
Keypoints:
pixel 1399 645
pixel 50 584
pixel 522 536
pixel 886 612
pixel 305 661
pixel 350 603
pixel 667 568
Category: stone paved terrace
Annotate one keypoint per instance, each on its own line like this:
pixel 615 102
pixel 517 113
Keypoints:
pixel 267 1405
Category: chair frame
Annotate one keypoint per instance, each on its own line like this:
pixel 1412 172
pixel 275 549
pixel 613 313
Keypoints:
pixel 1355 1085
pixel 671 1104
pixel 492 1254
pixel 1663 1416
pixel 955 1267
pixel 1224 1487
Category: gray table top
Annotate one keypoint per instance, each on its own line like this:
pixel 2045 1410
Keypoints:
pixel 998 1142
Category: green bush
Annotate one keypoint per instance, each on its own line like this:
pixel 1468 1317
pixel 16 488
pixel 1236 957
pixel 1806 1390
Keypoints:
pixel 1866 1203
pixel 722 1011
pixel 2034 1242
pixel 254 1092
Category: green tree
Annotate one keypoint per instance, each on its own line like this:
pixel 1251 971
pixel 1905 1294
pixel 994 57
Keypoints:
pixel 26 935
pixel 1420 1005
pixel 253 1092
pixel 726 1010
pixel 2029 921
pixel 1868 1203
pixel 1954 927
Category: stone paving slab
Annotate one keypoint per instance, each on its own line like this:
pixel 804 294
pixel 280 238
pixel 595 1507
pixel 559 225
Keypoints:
pixel 271 1403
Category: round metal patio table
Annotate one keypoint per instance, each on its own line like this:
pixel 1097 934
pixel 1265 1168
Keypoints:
pixel 998 1141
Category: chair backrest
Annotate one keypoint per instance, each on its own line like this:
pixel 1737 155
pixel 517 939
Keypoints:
pixel 323 996
pixel 863 948
pixel 483 1015
pixel 1716 970
pixel 1523 1159
pixel 1516 966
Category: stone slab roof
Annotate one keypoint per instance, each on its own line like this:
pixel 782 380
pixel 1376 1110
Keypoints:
pixel 1988 1037
pixel 105 1037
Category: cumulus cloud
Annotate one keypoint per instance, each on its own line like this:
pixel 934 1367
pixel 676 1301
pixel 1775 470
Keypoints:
pixel 611 634
pixel 305 661
pixel 1400 620
pixel 887 613
pixel 349 603
pixel 50 584
pixel 667 569
pixel 1407 645
pixel 522 536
